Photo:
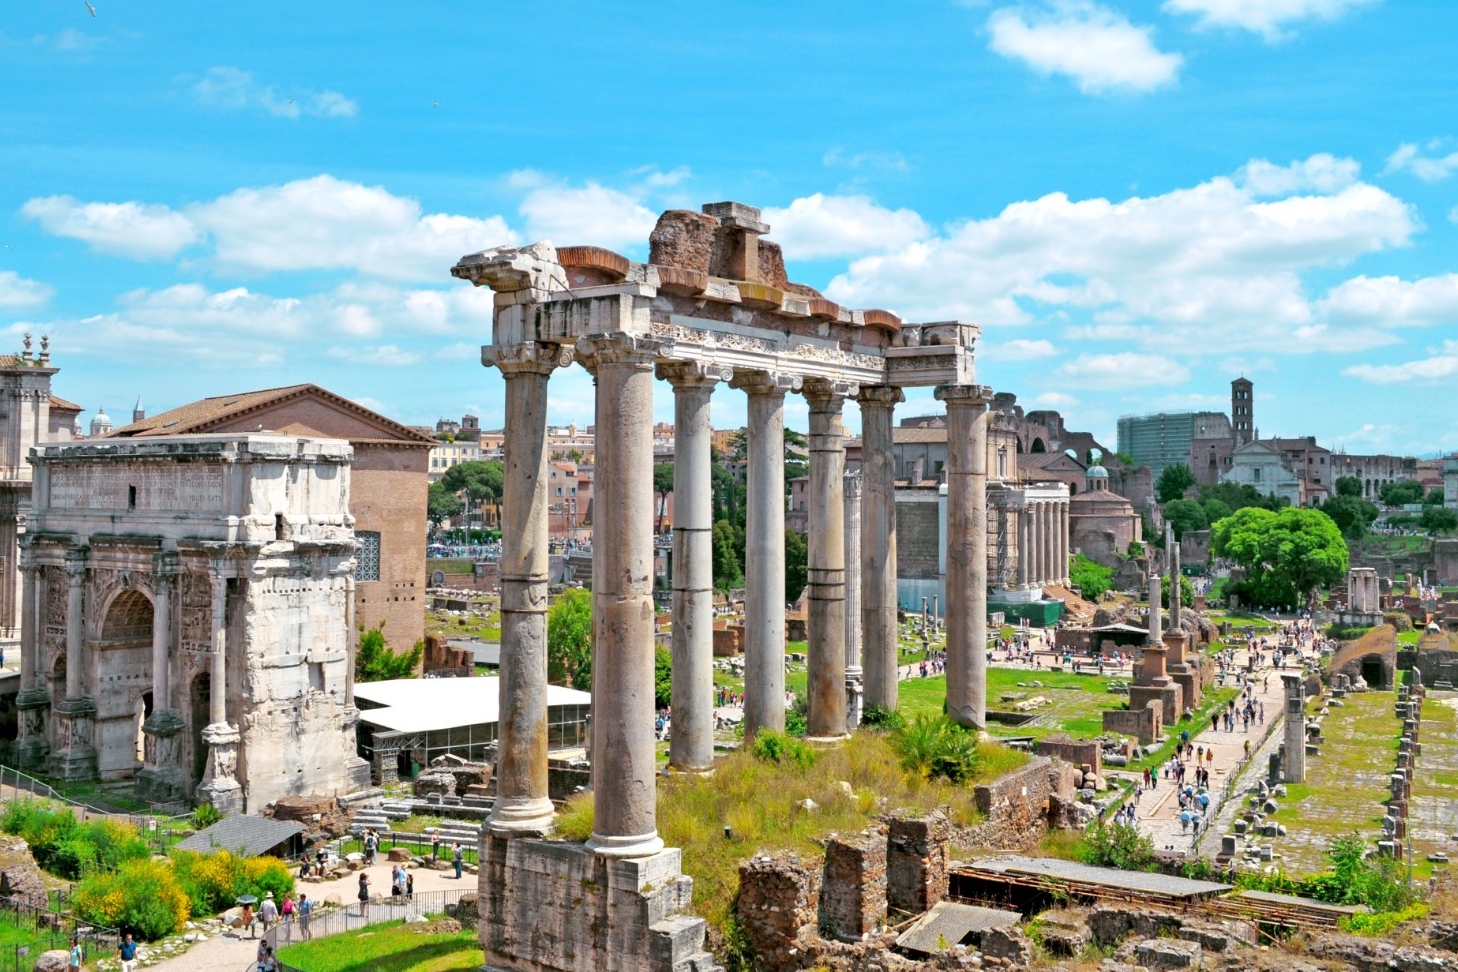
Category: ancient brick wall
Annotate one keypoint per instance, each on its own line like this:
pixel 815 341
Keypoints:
pixel 917 859
pixel 387 496
pixel 1079 752
pixel 853 886
pixel 1016 805
pixel 776 908
pixel 1146 724
pixel 918 539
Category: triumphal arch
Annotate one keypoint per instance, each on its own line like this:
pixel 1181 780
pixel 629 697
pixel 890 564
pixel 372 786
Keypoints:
pixel 712 304
pixel 187 607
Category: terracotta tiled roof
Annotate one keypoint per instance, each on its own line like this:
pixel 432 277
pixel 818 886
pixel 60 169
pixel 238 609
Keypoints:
pixel 57 402
pixel 209 413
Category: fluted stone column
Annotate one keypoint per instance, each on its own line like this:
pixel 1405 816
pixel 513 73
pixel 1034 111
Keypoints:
pixel 523 807
pixel 853 686
pixel 624 790
pixel 160 779
pixel 32 700
pixel 692 745
pixel 1066 539
pixel 764 554
pixel 825 576
pixel 1048 531
pixel 966 552
pixel 74 755
pixel 1025 547
pixel 879 642
pixel 220 786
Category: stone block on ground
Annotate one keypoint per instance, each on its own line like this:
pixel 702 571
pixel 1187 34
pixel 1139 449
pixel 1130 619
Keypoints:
pixel 56 960
pixel 398 855
pixel 1008 944
pixel 1167 953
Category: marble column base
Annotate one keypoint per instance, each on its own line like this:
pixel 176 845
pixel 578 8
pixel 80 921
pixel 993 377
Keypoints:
pixel 74 757
pixel 854 700
pixel 160 780
pixel 220 786
pixel 32 746
pixel 521 817
pixel 643 845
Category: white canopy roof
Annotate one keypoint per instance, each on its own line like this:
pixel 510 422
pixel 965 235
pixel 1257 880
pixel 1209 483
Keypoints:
pixel 423 704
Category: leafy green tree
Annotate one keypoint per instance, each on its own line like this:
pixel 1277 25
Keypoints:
pixel 1437 519
pixel 1185 515
pixel 480 481
pixel 1349 486
pixel 1286 555
pixel 794 469
pixel 1091 578
pixel 1110 845
pixel 662 486
pixel 662 677
pixel 727 545
pixel 727 493
pixel 1173 482
pixel 441 504
pixel 1434 497
pixel 1126 459
pixel 1401 492
pixel 376 662
pixel 1235 496
pixel 569 640
pixel 797 571
pixel 739 445
pixel 1187 593
pixel 1352 515
pixel 793 438
pixel 1215 510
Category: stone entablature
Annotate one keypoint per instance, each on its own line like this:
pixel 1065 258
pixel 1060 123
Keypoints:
pixel 188 609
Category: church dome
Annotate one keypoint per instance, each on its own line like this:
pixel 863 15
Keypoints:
pixel 1096 472
pixel 100 425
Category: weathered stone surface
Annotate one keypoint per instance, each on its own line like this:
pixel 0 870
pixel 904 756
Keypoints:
pixel 777 907
pixel 1010 944
pixel 20 876
pixel 916 862
pixel 1165 953
pixel 56 960
pixel 398 855
pixel 683 238
pixel 1110 924
pixel 1375 955
pixel 1067 941
pixel 853 886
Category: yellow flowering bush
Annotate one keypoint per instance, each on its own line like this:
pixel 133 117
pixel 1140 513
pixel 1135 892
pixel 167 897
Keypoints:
pixel 143 897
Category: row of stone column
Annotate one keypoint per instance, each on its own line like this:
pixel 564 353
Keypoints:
pixel 1043 552
pixel 623 689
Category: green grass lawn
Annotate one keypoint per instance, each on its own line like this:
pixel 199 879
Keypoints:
pixel 1077 701
pixel 484 626
pixel 390 947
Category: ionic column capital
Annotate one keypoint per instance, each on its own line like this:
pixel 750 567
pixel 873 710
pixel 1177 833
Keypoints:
pixel 692 373
pixel 964 394
pixel 619 347
pixel 527 358
pixel 765 383
pixel 827 393
pixel 879 396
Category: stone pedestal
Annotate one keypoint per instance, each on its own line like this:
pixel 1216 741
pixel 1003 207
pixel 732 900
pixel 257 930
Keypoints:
pixel 557 907
pixel 74 757
pixel 32 746
pixel 220 787
pixel 160 780
pixel 1293 766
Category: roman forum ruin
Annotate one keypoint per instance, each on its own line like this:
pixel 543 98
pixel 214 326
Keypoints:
pixel 712 304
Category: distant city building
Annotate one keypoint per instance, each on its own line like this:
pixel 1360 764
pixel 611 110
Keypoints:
pixel 1261 466
pixel 1165 439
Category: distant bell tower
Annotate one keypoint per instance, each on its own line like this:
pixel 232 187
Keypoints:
pixel 1242 418
pixel 138 412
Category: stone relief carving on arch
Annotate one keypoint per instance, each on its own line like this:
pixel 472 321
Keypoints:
pixel 195 606
pixel 106 586
pixel 54 632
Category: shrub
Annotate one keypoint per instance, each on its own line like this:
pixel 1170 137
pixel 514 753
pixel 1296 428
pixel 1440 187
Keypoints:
pixel 213 882
pixel 880 717
pixel 1109 845
pixel 937 748
pixel 68 848
pixel 1398 619
pixel 776 747
pixel 797 717
pixel 144 898
pixel 205 816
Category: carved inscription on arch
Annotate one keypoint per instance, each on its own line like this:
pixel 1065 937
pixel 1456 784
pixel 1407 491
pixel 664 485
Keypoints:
pixel 182 486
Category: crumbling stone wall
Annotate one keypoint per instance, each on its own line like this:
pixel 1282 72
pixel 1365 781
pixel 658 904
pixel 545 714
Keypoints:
pixel 853 886
pixel 20 876
pixel 1145 724
pixel 776 908
pixel 1017 805
pixel 917 859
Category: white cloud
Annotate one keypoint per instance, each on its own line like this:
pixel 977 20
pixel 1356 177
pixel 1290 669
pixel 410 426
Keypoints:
pixel 1264 17
pixel 1018 349
pixel 1443 363
pixel 326 223
pixel 1162 271
pixel 321 223
pixel 839 157
pixel 584 215
pixel 130 229
pixel 1429 168
pixel 1093 45
pixel 1122 371
pixel 818 226
pixel 386 355
pixel 18 293
pixel 1321 173
pixel 1393 302
pixel 1053 399
pixel 231 89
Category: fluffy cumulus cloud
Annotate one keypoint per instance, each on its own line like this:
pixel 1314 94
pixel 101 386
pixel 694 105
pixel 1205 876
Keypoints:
pixel 231 89
pixel 1093 45
pixel 1017 349
pixel 1434 167
pixel 590 214
pixel 1269 18
pixel 1125 369
pixel 1386 302
pixel 1226 256
pixel 1441 365
pixel 130 229
pixel 818 226
pixel 17 293
pixel 321 223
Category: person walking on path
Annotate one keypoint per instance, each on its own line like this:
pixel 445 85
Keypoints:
pixel 364 892
pixel 458 859
pixel 127 952
pixel 306 910
pixel 267 912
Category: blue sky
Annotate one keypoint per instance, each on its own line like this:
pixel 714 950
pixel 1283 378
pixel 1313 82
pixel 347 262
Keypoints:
pixel 1138 199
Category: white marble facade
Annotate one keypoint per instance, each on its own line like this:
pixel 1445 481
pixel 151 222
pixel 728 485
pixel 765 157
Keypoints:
pixel 187 617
